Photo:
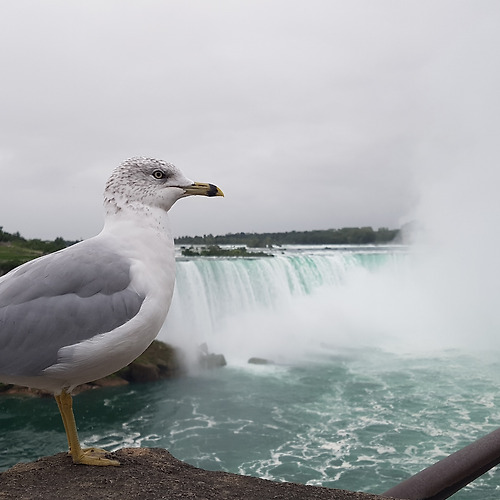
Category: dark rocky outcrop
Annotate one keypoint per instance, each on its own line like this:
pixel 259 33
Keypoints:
pixel 158 361
pixel 148 473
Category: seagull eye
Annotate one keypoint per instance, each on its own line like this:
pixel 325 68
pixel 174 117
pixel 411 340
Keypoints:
pixel 158 174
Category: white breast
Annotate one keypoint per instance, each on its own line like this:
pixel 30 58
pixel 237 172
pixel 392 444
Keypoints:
pixel 152 257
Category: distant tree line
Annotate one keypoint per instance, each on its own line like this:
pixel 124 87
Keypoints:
pixel 43 246
pixel 343 236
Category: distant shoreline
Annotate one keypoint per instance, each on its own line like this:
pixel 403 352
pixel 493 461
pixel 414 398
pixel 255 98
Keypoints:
pixel 343 236
pixel 16 250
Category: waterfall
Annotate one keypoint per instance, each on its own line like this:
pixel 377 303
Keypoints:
pixel 264 306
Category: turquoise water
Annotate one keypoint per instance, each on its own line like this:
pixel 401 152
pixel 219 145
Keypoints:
pixel 358 420
pixel 366 390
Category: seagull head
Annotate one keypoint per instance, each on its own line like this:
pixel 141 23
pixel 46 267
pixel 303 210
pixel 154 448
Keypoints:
pixel 151 183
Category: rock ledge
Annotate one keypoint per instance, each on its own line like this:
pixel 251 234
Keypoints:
pixel 151 473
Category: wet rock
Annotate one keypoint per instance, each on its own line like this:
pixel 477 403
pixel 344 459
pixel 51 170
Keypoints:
pixel 260 361
pixel 208 360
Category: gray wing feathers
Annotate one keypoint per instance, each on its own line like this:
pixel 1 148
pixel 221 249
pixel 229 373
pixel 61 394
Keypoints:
pixel 59 300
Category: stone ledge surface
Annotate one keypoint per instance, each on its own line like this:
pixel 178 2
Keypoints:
pixel 151 473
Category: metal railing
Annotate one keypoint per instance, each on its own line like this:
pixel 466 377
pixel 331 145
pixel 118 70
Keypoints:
pixel 449 475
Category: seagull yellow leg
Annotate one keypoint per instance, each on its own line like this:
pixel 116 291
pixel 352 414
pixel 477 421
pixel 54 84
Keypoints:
pixel 63 416
pixel 88 456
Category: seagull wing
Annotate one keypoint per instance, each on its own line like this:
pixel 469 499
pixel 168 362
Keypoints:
pixel 59 300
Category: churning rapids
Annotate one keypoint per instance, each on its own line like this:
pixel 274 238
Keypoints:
pixel 384 361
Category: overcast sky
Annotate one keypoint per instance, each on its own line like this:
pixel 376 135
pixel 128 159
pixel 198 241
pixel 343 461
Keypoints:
pixel 309 114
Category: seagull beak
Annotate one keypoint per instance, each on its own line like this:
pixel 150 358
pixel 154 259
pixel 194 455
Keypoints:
pixel 202 188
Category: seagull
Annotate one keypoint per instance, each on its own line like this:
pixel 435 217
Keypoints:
pixel 84 312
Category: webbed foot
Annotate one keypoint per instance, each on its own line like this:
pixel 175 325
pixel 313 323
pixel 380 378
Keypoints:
pixel 94 456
